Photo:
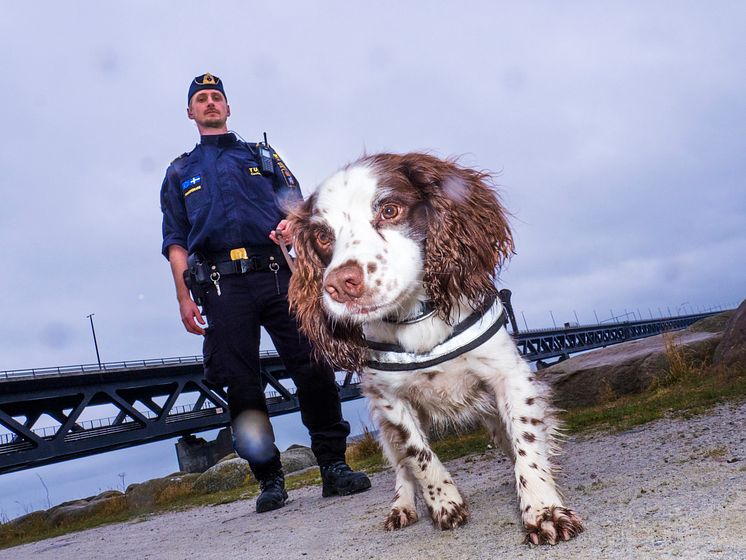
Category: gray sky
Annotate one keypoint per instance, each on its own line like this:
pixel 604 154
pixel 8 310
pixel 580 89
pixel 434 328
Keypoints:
pixel 617 130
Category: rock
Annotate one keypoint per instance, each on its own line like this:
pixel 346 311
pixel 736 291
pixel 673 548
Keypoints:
pixel 159 490
pixel 731 352
pixel 297 458
pixel 228 457
pixel 714 323
pixel 77 502
pixel 108 494
pixel 223 476
pixel 629 367
pixel 96 507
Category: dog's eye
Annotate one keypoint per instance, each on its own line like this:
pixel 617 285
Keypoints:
pixel 389 211
pixel 323 238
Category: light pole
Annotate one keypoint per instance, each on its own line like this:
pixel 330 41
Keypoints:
pixel 95 343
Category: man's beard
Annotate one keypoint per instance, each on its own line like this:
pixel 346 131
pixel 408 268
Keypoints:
pixel 214 122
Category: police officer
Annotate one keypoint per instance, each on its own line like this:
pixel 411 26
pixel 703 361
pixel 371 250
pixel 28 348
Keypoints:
pixel 221 203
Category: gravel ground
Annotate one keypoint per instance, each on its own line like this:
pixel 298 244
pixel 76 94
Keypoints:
pixel 670 489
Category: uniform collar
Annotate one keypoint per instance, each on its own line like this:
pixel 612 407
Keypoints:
pixel 220 140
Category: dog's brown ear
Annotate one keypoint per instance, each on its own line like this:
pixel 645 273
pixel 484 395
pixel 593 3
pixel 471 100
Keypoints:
pixel 468 237
pixel 340 344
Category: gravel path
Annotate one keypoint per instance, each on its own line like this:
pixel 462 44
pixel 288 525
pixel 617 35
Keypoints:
pixel 671 489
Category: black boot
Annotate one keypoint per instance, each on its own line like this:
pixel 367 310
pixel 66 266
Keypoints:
pixel 340 480
pixel 273 494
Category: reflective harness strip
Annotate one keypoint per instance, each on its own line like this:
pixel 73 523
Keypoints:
pixel 471 333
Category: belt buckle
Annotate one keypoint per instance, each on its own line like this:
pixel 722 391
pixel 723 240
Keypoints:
pixel 239 254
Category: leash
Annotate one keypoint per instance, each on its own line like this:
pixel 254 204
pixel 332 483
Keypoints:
pixel 284 249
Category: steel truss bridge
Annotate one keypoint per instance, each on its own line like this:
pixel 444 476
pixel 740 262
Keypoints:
pixel 166 398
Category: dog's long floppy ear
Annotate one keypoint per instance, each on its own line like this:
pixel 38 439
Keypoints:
pixel 468 237
pixel 340 344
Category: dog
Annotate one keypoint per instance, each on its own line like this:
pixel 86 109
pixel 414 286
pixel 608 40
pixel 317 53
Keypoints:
pixel 397 259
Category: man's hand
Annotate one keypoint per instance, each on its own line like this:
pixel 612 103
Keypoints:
pixel 283 233
pixel 190 316
pixel 189 311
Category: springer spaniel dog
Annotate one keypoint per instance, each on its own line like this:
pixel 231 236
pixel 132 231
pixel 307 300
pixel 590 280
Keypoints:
pixel 397 257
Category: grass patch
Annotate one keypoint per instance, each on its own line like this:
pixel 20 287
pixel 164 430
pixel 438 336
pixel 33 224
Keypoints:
pixel 37 530
pixel 683 394
pixel 365 447
pixel 460 445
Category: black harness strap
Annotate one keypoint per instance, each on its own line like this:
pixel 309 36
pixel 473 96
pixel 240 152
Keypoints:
pixel 499 323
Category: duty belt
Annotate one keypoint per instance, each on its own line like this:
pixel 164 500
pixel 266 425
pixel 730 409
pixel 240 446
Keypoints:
pixel 240 261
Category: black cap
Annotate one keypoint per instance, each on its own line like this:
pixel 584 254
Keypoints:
pixel 205 81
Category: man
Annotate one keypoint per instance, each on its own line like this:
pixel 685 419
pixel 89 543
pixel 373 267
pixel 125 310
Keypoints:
pixel 221 203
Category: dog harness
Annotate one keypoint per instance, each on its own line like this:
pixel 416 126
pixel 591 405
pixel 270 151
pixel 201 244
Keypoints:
pixel 470 333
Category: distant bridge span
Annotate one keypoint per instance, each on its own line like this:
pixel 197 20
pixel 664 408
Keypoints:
pixel 166 398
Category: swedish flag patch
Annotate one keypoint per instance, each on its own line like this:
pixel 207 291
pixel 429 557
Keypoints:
pixel 191 185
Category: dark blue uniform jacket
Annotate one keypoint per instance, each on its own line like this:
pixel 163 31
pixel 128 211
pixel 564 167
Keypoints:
pixel 214 198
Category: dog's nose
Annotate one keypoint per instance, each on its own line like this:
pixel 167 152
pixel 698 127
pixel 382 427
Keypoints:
pixel 345 282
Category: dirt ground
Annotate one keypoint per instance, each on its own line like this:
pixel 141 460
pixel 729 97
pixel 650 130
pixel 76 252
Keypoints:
pixel 670 489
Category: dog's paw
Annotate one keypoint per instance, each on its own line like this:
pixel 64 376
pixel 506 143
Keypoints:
pixel 449 515
pixel 400 517
pixel 553 524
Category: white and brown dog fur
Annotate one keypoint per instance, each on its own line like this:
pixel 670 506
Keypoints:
pixel 377 239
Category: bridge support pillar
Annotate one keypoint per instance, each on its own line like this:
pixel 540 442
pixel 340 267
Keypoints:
pixel 196 455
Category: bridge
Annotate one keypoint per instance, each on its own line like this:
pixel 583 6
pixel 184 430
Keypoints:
pixel 54 414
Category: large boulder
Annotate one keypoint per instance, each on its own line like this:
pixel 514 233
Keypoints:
pixel 731 352
pixel 104 504
pixel 629 367
pixel 297 458
pixel 159 490
pixel 226 475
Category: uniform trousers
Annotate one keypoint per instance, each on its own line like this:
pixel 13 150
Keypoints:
pixel 231 354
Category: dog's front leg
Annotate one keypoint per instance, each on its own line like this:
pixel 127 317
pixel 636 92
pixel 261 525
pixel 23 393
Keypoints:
pixel 407 449
pixel 403 510
pixel 522 403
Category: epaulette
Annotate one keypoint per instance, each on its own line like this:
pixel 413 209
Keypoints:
pixel 185 154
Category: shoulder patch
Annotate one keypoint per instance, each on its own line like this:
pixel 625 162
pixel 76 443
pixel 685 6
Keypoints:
pixel 290 180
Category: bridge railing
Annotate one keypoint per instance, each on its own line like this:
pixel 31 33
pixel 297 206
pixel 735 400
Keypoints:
pixel 108 366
